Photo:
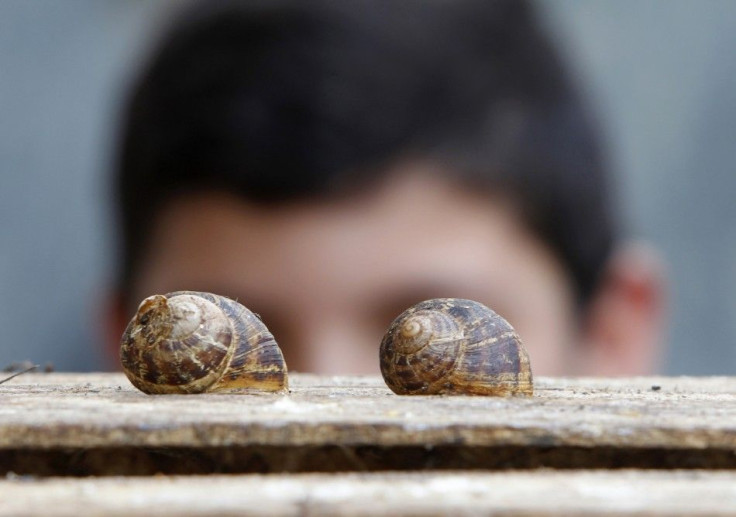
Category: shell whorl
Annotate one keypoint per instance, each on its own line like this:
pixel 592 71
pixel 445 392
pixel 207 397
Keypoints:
pixel 194 342
pixel 424 339
pixel 454 346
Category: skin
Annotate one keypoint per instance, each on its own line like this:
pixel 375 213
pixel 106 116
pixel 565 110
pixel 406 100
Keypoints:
pixel 329 277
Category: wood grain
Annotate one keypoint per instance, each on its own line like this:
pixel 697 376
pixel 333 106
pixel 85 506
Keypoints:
pixel 543 493
pixel 49 421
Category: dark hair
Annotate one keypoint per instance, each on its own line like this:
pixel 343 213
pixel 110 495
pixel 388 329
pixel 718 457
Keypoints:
pixel 283 99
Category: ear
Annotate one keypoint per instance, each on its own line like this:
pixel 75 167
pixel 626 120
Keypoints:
pixel 624 326
pixel 115 319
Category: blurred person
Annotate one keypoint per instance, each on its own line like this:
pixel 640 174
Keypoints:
pixel 330 163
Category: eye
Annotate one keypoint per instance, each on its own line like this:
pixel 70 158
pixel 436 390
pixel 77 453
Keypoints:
pixel 391 306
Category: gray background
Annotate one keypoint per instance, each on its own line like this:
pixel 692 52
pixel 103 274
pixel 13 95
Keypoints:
pixel 661 74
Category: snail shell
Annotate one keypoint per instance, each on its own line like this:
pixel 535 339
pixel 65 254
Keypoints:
pixel 455 347
pixel 192 342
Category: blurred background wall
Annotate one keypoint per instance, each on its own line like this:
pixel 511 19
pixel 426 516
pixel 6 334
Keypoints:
pixel 660 73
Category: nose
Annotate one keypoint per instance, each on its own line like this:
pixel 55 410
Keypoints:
pixel 339 347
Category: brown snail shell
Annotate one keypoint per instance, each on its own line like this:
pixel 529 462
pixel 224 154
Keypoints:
pixel 193 342
pixel 455 347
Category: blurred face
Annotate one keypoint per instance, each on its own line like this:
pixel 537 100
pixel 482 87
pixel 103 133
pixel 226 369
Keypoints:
pixel 328 278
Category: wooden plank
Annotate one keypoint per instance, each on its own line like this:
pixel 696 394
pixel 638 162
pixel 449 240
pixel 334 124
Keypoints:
pixel 66 410
pixel 356 423
pixel 543 493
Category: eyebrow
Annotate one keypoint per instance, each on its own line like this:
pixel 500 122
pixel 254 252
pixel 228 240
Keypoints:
pixel 401 297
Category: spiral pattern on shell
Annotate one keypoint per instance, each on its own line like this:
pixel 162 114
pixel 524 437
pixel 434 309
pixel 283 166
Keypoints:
pixel 454 346
pixel 195 342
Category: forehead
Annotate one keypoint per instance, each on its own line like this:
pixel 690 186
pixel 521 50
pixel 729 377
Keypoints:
pixel 415 233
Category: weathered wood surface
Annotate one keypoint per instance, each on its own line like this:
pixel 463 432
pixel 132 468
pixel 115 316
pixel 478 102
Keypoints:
pixel 356 423
pixel 543 493
pixel 64 410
